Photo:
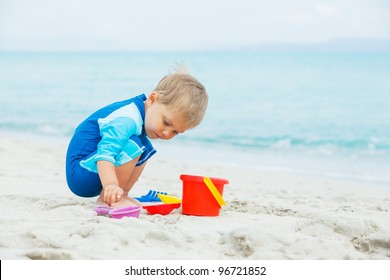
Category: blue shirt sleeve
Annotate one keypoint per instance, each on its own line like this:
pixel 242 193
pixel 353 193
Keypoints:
pixel 114 136
pixel 118 144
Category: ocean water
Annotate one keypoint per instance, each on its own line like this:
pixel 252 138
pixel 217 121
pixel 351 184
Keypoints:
pixel 318 112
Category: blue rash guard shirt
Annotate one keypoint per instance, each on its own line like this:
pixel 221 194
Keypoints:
pixel 114 133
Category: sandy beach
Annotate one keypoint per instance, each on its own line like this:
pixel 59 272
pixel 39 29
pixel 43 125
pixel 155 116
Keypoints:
pixel 270 215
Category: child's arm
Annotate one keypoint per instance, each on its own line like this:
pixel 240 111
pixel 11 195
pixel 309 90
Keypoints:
pixel 115 132
pixel 111 190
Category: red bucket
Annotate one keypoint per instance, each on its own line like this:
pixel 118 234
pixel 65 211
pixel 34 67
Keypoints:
pixel 197 199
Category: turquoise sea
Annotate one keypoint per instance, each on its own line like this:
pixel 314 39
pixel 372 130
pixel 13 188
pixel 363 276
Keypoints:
pixel 319 112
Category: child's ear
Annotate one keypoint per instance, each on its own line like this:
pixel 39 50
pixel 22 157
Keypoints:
pixel 153 97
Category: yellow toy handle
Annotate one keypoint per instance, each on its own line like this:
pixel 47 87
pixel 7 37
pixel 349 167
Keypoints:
pixel 214 191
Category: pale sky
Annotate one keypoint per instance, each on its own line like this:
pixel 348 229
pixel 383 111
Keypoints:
pixel 172 25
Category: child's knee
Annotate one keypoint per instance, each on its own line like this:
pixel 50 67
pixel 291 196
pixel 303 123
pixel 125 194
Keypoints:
pixel 83 182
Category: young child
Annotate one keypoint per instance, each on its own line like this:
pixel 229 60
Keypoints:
pixel 109 149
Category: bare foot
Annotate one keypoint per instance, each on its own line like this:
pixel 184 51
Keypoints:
pixel 134 201
pixel 100 201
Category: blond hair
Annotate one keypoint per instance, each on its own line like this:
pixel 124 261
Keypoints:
pixel 185 95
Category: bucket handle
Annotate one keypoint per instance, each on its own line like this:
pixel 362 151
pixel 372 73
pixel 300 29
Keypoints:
pixel 214 191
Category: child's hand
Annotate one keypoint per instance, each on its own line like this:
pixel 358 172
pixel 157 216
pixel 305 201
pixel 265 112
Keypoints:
pixel 112 193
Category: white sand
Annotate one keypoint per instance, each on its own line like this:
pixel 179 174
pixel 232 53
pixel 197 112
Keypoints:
pixel 269 215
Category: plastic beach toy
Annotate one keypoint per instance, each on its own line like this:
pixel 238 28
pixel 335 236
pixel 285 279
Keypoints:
pixel 169 199
pixel 200 198
pixel 162 209
pixel 151 196
pixel 117 213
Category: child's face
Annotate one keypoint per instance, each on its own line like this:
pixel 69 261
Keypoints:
pixel 160 122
